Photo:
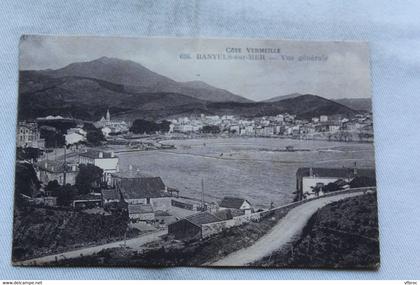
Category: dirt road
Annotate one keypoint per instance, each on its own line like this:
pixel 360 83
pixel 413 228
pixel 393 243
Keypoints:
pixel 281 234
pixel 134 243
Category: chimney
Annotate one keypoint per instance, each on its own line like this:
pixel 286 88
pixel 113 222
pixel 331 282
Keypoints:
pixel 112 154
pixel 311 172
pixel 46 164
pixel 101 154
pixel 130 167
pixel 73 168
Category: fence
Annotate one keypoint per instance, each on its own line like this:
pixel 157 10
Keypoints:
pixel 217 227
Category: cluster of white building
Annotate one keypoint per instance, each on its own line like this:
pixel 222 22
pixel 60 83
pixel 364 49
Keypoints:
pixel 281 124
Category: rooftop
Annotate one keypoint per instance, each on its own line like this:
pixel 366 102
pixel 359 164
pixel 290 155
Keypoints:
pixel 142 187
pixel 202 218
pixel 232 202
pixel 55 166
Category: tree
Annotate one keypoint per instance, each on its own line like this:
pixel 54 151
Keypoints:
pixel 28 153
pixel 26 182
pixel 331 187
pixel 95 137
pixel 211 129
pixel 65 195
pixel 53 188
pixel 164 126
pixel 362 181
pixel 53 138
pixel 88 177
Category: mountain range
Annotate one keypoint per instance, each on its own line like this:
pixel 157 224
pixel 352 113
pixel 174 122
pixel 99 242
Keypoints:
pixel 86 89
pixel 358 104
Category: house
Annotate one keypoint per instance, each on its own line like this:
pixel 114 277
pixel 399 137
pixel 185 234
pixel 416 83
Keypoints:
pixel 137 188
pixel 141 213
pixel 28 135
pixel 164 218
pixel 236 203
pixel 107 161
pixel 74 138
pixel 88 201
pixel 50 170
pixel 308 177
pixel 106 131
pixel 190 227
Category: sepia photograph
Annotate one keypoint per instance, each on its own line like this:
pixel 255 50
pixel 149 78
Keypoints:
pixel 162 152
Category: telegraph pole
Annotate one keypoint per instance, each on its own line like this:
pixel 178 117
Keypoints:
pixel 64 166
pixel 202 194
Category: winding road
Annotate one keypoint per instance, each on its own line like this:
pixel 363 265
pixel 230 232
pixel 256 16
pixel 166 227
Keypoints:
pixel 281 234
pixel 135 243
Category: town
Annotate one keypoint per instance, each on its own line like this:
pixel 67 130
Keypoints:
pixel 335 127
pixel 67 164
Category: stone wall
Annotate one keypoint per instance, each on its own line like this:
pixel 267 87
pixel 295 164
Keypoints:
pixel 210 229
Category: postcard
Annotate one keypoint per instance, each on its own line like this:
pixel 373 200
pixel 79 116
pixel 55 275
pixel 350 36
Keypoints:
pixel 194 152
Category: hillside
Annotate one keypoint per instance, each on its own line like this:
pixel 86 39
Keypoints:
pixel 130 73
pixel 282 97
pixel 87 98
pixel 359 104
pixel 131 91
pixel 304 106
pixel 39 231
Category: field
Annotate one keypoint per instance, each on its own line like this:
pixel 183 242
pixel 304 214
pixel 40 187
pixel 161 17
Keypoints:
pixel 251 168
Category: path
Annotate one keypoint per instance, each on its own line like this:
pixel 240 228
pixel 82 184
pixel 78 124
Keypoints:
pixel 281 234
pixel 135 243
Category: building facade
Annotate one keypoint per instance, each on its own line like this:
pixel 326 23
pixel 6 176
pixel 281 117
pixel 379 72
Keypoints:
pixel 107 161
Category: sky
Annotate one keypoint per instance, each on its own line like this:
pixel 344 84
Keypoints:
pixel 332 70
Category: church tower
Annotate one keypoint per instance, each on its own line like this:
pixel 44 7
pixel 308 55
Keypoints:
pixel 108 116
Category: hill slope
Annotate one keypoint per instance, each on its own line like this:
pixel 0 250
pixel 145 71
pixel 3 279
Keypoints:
pixel 360 104
pixel 127 72
pixel 94 89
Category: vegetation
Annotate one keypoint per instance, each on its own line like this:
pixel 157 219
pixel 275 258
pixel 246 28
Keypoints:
pixel 343 234
pixel 26 182
pixel 53 137
pixel 362 181
pixel 143 126
pixel 43 231
pixel 210 129
pixel 171 253
pixel 28 153
pixel 94 135
pixel 89 177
